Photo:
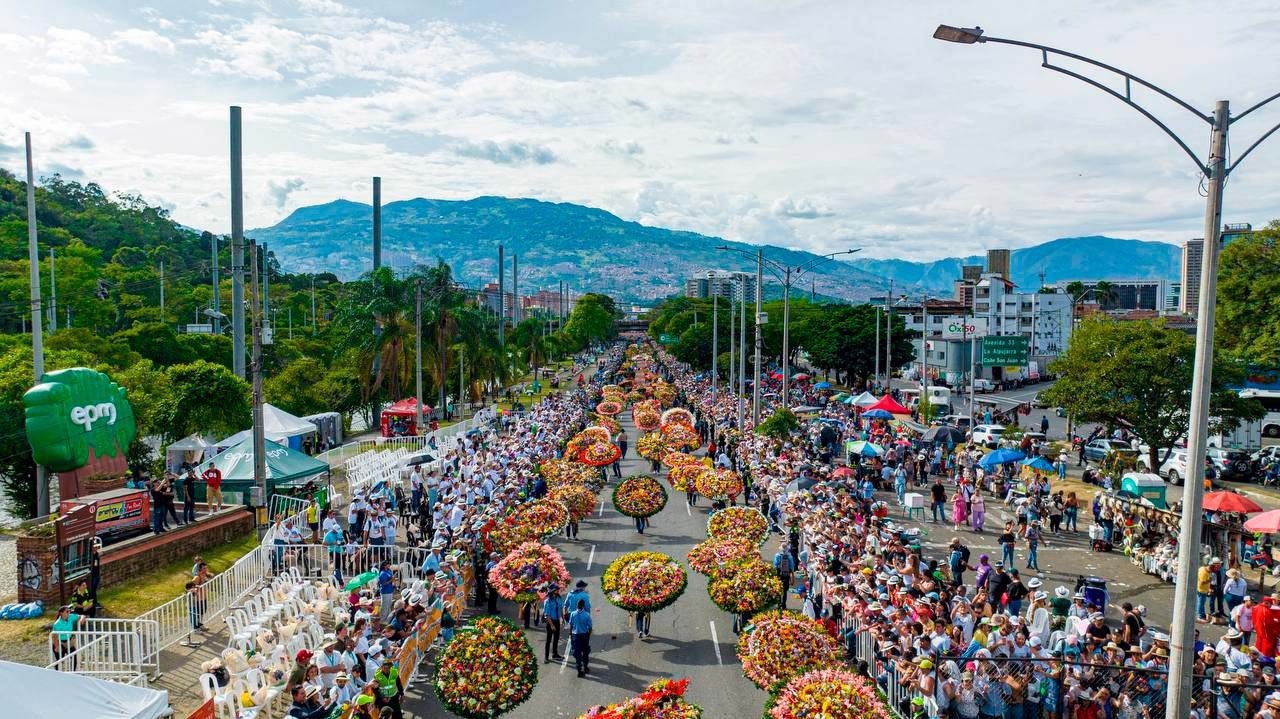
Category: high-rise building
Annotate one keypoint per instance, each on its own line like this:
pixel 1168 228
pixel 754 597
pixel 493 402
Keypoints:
pixel 1126 294
pixel 971 273
pixel 998 263
pixel 1192 256
pixel 737 286
pixel 1173 296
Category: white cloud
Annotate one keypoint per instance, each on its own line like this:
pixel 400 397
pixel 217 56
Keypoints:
pixel 149 40
pixel 550 54
pixel 279 192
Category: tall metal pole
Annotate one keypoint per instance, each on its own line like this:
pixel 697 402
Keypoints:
pixel 715 337
pixel 237 246
pixel 259 438
pixel 377 222
pixel 755 385
pixel 732 340
pixel 786 340
pixel 502 300
pixel 875 373
pixel 742 349
pixel 37 328
pixel 973 359
pixel 888 339
pixel 313 304
pixel 215 303
pixel 924 356
pixel 53 292
pixel 266 283
pixel 162 290
pixel 1182 637
pixel 515 290
pixel 417 357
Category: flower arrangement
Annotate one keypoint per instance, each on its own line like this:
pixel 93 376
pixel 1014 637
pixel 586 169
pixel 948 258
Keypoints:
pixel 487 670
pixel 639 496
pixel 577 498
pixel 651 446
pixel 745 586
pixel 830 694
pixel 595 433
pixel 635 395
pixel 680 436
pixel 521 575
pixel 682 476
pixel 611 389
pixel 665 394
pixel 710 556
pixel 646 419
pixel 717 483
pixel 528 522
pixel 678 415
pixel 609 407
pixel 745 523
pixel 663 699
pixel 608 423
pixel 643 581
pixel 676 459
pixel 781 644
pixel 599 454
pixel 560 473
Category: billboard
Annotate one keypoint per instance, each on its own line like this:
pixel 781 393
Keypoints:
pixel 75 417
pixel 959 328
pixel 1006 351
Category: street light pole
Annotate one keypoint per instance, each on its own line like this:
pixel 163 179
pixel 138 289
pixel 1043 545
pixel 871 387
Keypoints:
pixel 742 349
pixel 786 340
pixel 417 357
pixel 37 328
pixel 875 372
pixel 715 333
pixel 1215 172
pixel 755 384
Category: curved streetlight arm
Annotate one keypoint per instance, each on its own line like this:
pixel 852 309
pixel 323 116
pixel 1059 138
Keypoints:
pixel 1257 142
pixel 819 260
pixel 1255 107
pixel 772 266
pixel 1126 97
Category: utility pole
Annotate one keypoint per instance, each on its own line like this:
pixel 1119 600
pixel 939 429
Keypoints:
pixel 786 340
pixel 515 290
pixel 237 246
pixel 732 339
pixel 742 349
pixel 37 328
pixel 888 340
pixel 313 304
pixel 377 222
pixel 53 293
pixel 266 283
pixel 715 336
pixel 502 300
pixel 1182 636
pixel 162 290
pixel 215 304
pixel 924 356
pixel 417 357
pixel 259 438
pixel 875 373
pixel 973 358
pixel 755 385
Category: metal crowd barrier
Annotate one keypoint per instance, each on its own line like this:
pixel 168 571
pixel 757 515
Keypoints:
pixel 111 655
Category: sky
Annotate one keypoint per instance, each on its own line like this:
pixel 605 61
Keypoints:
pixel 807 124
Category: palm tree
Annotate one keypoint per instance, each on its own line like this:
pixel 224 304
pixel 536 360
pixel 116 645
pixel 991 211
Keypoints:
pixel 375 318
pixel 1104 292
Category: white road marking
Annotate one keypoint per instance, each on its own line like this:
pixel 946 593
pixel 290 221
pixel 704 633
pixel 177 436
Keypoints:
pixel 687 510
pixel 715 642
pixel 564 660
pixel 601 513
pixel 591 557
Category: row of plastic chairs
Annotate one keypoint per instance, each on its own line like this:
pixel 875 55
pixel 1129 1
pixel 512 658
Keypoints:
pixel 229 701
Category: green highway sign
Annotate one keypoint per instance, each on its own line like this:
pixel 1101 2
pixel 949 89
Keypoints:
pixel 1006 351
pixel 667 339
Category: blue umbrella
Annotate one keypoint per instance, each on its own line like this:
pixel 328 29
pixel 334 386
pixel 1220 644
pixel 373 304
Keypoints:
pixel 1038 463
pixel 865 449
pixel 1001 456
pixel 822 385
pixel 877 414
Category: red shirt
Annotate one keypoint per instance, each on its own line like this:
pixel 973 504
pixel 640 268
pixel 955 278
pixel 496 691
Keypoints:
pixel 212 477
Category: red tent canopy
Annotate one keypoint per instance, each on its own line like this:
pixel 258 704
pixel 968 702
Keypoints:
pixel 888 404
pixel 405 409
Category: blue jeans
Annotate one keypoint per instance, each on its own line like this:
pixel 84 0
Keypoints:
pixel 1031 555
pixel 1015 606
pixel 939 511
pixel 1202 604
pixel 1006 555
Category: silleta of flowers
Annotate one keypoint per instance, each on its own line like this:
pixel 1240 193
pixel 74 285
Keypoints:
pixel 487 670
pixel 680 436
pixel 608 423
pixel 599 454
pixel 717 483
pixel 779 644
pixel 643 581
pixel 522 575
pixel 560 472
pixel 596 433
pixel 682 476
pixel 745 523
pixel 646 419
pixel 663 699
pixel 678 415
pixel 577 498
pixel 651 446
pixel 713 554
pixel 676 459
pixel 829 694
pixel 745 586
pixel 609 407
pixel 529 522
pixel 639 496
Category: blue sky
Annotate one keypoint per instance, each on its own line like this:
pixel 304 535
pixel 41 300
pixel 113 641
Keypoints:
pixel 804 124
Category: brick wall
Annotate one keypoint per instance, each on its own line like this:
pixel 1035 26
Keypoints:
pixel 134 558
pixel 36 578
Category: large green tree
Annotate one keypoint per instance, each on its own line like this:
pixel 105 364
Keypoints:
pixel 1248 319
pixel 204 398
pixel 1137 375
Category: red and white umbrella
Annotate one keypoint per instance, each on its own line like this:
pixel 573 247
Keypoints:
pixel 1265 523
pixel 1230 502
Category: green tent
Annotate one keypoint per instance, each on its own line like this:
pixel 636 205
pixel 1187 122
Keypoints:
pixel 285 467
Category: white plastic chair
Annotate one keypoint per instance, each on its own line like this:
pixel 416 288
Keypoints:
pixel 254 680
pixel 240 636
pixel 224 703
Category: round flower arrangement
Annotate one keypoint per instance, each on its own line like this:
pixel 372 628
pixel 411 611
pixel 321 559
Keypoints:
pixel 529 522
pixel 608 407
pixel 639 496
pixel 560 473
pixel 487 670
pixel 717 483
pixel 577 498
pixel 666 394
pixel 682 476
pixel 678 415
pixel 710 556
pixel 745 586
pixel 651 446
pixel 676 459
pixel 608 423
pixel 663 699
pixel 611 389
pixel 521 575
pixel 680 436
pixel 617 398
pixel 779 644
pixel 594 433
pixel 827 693
pixel 745 523
pixel 643 581
pixel 646 421
pixel 635 395
pixel 599 454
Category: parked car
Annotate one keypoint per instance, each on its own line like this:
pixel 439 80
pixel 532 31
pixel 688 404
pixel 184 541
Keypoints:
pixel 987 434
pixel 1039 401
pixel 1100 449
pixel 984 385
pixel 956 420
pixel 1232 464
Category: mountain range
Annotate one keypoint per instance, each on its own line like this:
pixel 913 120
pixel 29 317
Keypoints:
pixel 592 249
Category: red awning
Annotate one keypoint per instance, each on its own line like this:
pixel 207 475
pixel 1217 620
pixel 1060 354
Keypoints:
pixel 888 404
pixel 407 407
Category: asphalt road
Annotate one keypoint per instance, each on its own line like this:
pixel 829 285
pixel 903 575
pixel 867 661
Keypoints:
pixel 692 638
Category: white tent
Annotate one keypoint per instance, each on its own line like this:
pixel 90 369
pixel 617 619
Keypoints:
pixel 866 399
pixel 278 426
pixel 35 692
pixel 191 449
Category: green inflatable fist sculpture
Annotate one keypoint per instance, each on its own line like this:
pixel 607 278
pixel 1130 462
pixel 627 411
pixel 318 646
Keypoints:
pixel 75 416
